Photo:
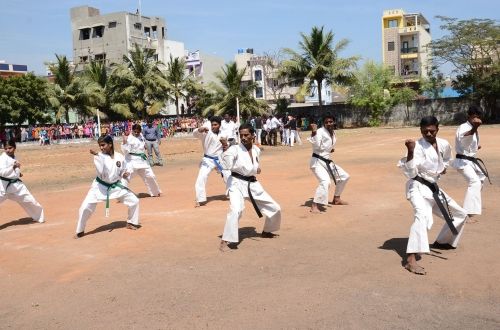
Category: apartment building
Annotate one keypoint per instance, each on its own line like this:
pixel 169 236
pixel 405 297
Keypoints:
pixel 110 36
pixel 12 70
pixel 405 38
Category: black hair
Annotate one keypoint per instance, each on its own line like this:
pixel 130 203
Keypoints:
pixel 10 143
pixel 248 127
pixel 137 127
pixel 217 119
pixel 328 115
pixel 109 140
pixel 428 121
pixel 474 111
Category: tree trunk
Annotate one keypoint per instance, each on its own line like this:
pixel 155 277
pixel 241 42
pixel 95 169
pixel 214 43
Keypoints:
pixel 319 95
pixel 66 115
pixel 177 106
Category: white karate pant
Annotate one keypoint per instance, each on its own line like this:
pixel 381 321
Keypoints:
pixel 286 136
pixel 90 202
pixel 293 133
pixel 206 166
pixel 267 206
pixel 20 194
pixel 258 131
pixel 321 173
pixel 475 179
pixel 149 179
pixel 424 205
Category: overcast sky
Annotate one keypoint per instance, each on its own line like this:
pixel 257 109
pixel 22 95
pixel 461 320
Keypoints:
pixel 32 31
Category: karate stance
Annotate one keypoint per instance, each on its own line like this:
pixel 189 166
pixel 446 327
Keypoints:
pixel 110 183
pixel 11 186
pixel 212 149
pixel 323 142
pixel 466 163
pixel 426 160
pixel 134 146
pixel 243 162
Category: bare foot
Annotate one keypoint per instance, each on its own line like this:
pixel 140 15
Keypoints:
pixel 131 226
pixel 314 208
pixel 338 201
pixel 223 246
pixel 415 269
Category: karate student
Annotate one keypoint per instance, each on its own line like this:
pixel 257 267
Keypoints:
pixel 134 146
pixel 323 144
pixel 11 186
pixel 243 162
pixel 426 160
pixel 110 183
pixel 212 149
pixel 228 129
pixel 466 163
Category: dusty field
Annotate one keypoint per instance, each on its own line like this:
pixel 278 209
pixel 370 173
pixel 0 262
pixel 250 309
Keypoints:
pixel 339 269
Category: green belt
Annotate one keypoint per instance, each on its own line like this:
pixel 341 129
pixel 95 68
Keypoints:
pixel 142 155
pixel 10 181
pixel 110 186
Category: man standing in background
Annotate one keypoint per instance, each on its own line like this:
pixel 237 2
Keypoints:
pixel 153 140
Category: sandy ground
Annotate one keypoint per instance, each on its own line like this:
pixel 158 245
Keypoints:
pixel 338 269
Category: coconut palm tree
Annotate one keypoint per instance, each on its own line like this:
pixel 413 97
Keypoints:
pixel 138 84
pixel 64 93
pixel 318 61
pixel 179 82
pixel 232 88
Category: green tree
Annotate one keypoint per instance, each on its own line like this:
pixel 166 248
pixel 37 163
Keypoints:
pixel 24 98
pixel 434 84
pixel 318 61
pixel 138 84
pixel 180 84
pixel 231 88
pixel 372 90
pixel 64 90
pixel 472 47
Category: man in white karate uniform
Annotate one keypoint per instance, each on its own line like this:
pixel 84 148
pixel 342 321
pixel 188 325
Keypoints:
pixel 243 162
pixel 466 163
pixel 212 149
pixel 11 186
pixel 134 148
pixel 323 142
pixel 426 160
pixel 228 129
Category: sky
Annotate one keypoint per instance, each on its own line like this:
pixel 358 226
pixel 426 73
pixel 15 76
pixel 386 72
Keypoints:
pixel 32 31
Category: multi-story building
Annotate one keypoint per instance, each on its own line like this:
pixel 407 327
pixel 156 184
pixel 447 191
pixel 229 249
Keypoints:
pixel 108 37
pixel 404 44
pixel 11 70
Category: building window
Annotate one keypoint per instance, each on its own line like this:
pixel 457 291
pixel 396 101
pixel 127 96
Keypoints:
pixel 85 34
pixel 147 31
pixel 259 92
pixel 98 32
pixel 258 75
pixel 100 57
pixel 137 26
pixel 112 25
pixel 84 59
pixel 392 23
pixel 390 46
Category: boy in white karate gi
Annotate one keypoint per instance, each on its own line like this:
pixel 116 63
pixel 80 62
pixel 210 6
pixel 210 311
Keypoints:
pixel 466 163
pixel 110 183
pixel 212 149
pixel 134 148
pixel 11 186
pixel 426 160
pixel 323 142
pixel 243 162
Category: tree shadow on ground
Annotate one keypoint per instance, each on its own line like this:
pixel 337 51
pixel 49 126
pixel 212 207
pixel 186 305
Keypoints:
pixel 397 245
pixel 108 227
pixel 244 233
pixel 18 222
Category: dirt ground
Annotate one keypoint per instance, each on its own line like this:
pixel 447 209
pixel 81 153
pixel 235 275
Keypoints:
pixel 338 269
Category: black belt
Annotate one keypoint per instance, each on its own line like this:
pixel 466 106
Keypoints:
pixel 249 179
pixel 448 217
pixel 478 161
pixel 10 181
pixel 151 140
pixel 328 162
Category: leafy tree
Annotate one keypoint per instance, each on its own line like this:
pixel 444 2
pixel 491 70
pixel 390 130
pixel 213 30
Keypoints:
pixel 434 84
pixel 404 95
pixel 24 98
pixel 138 85
pixel 372 90
pixel 180 84
pixel 231 88
pixel 472 47
pixel 318 61
pixel 64 89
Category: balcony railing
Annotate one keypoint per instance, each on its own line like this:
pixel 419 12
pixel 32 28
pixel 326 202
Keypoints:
pixel 409 50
